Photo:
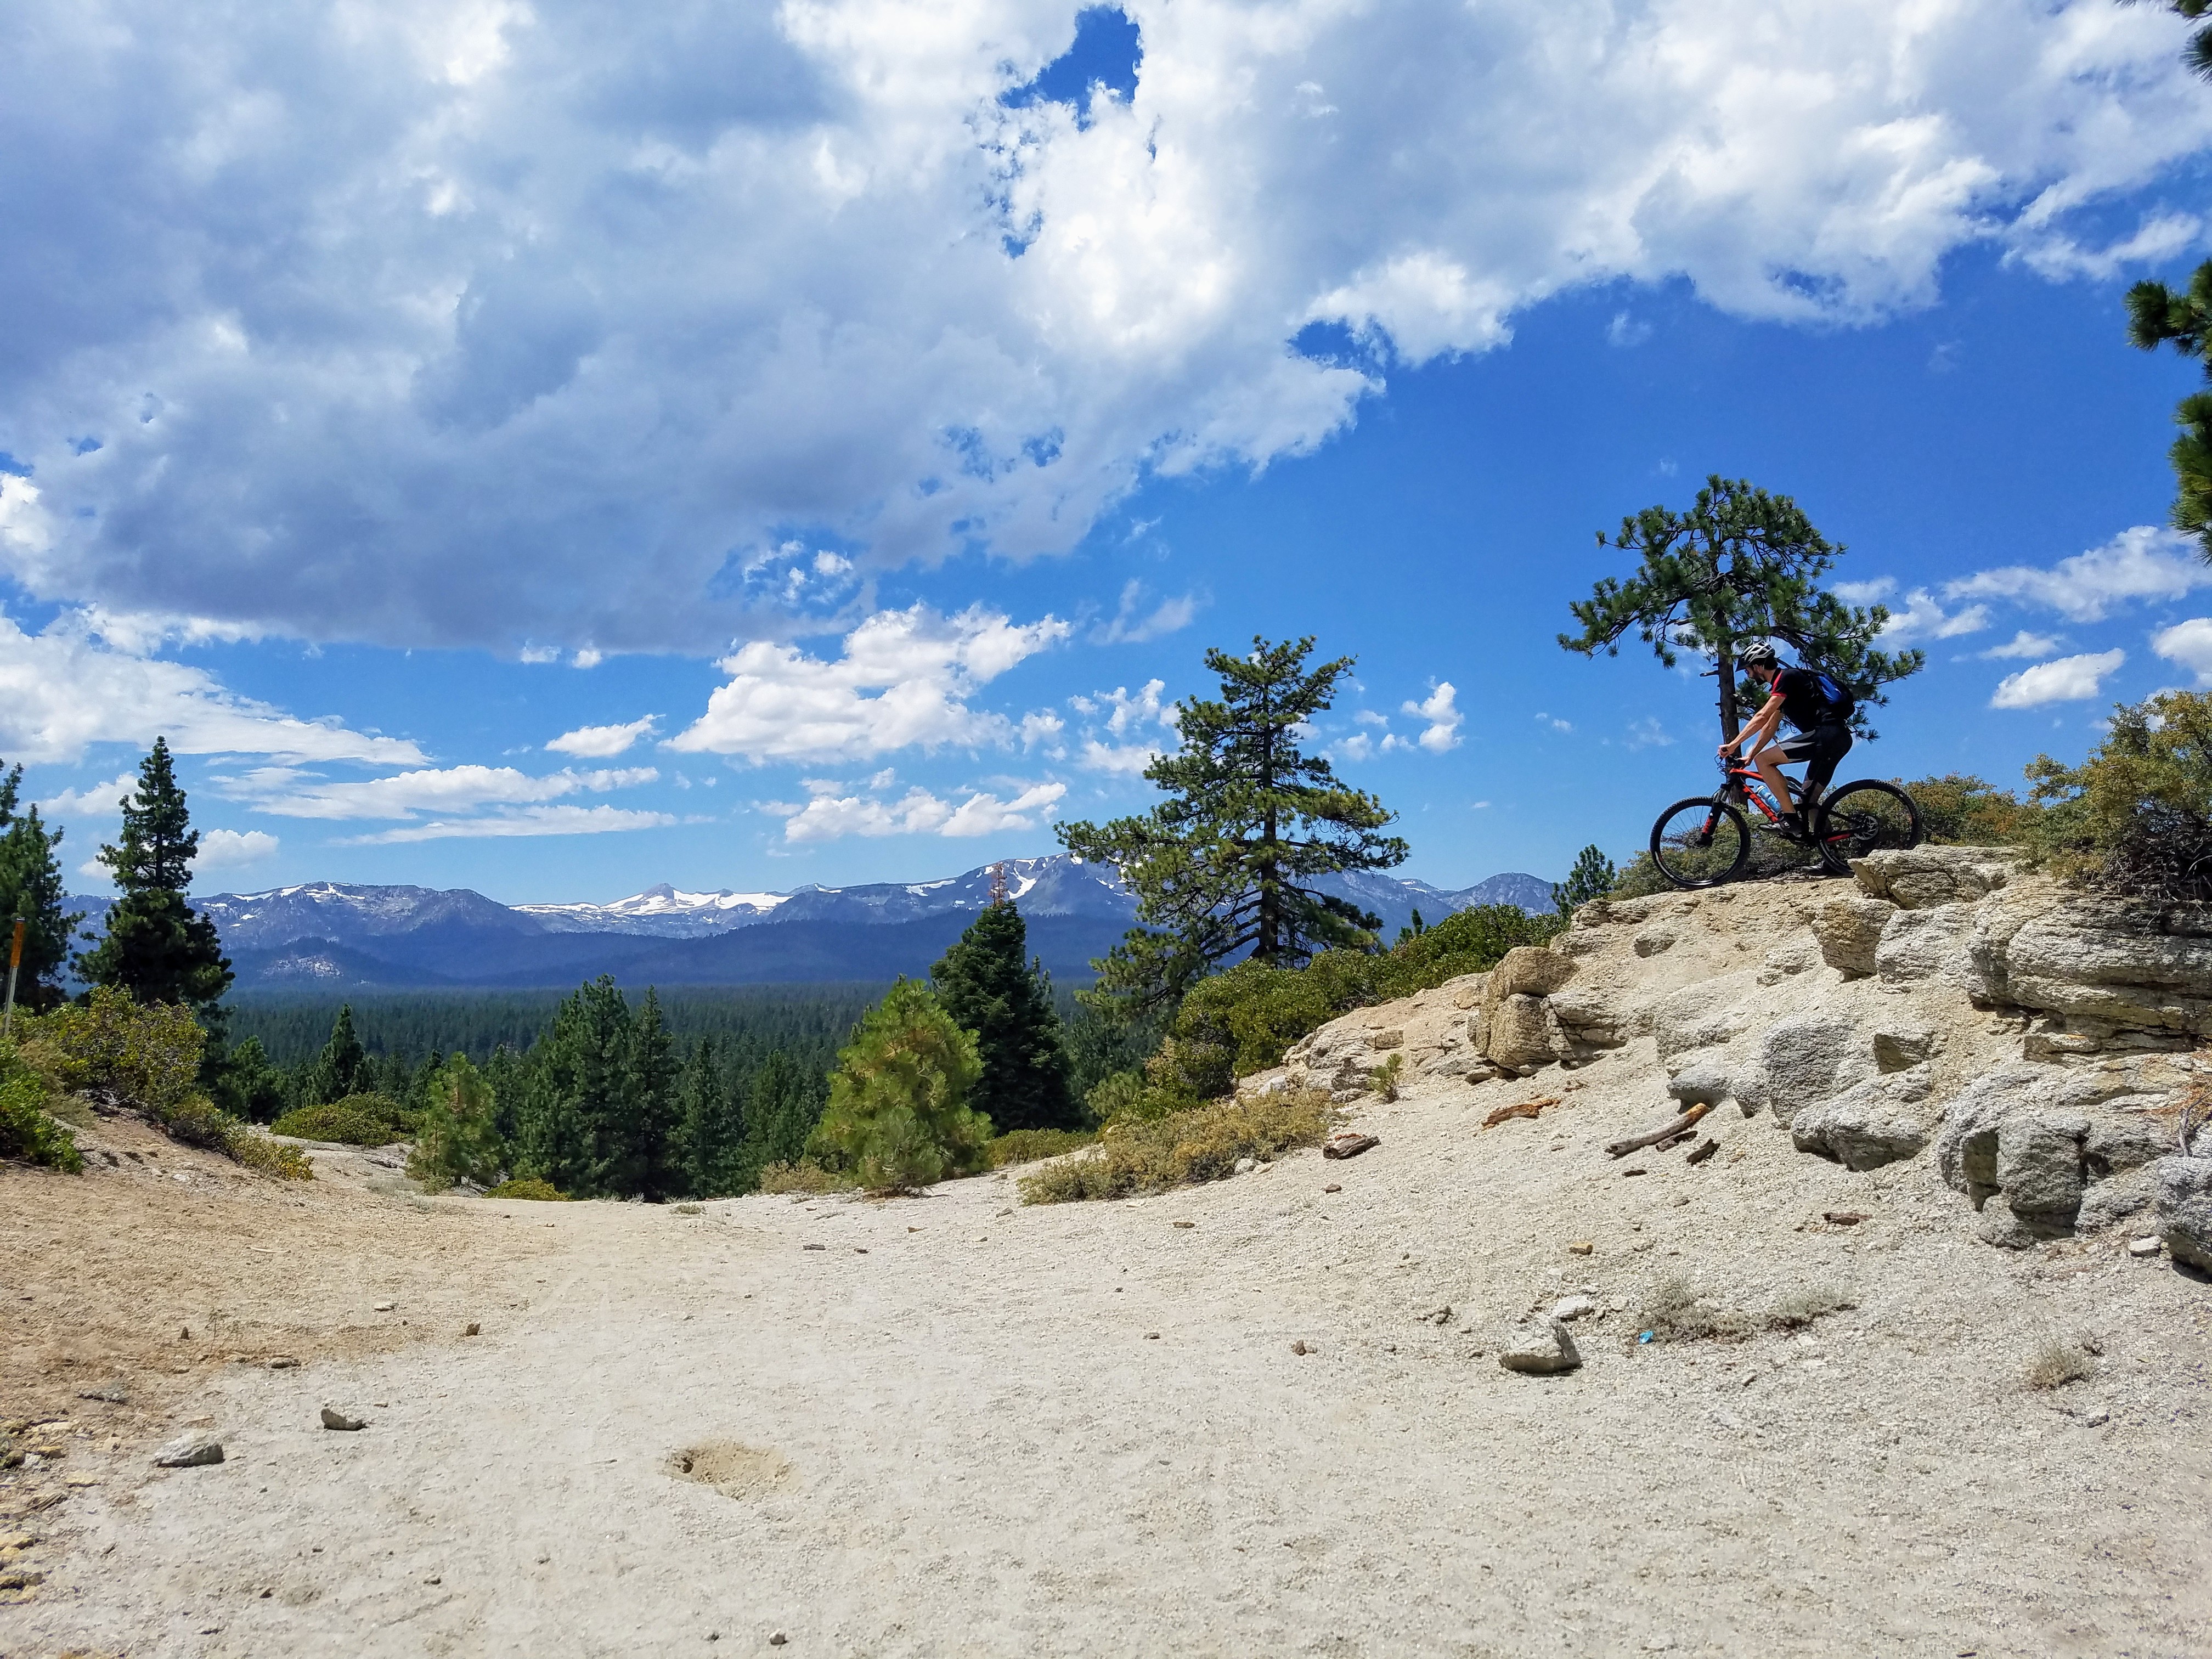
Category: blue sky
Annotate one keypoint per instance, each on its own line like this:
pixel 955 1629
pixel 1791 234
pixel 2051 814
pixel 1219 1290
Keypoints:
pixel 552 451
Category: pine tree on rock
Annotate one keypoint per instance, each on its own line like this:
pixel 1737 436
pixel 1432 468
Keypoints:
pixel 31 888
pixel 1226 867
pixel 992 991
pixel 157 948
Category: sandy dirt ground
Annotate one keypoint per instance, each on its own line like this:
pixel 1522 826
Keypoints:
pixel 952 1424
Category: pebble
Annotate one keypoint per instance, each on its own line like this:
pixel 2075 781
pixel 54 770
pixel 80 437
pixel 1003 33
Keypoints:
pixel 1300 1348
pixel 814 1247
pixel 1574 1307
pixel 776 1638
pixel 1151 1336
pixel 1334 1187
pixel 283 1362
pixel 189 1450
pixel 381 1306
pixel 1581 1247
pixel 111 1395
pixel 474 1329
pixel 334 1419
pixel 2142 1248
pixel 2097 1420
pixel 1186 1223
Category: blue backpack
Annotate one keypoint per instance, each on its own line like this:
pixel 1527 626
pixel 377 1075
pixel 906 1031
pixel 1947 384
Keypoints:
pixel 1838 697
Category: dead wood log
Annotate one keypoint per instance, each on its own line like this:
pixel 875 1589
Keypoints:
pixel 1699 1154
pixel 1519 1109
pixel 1665 1132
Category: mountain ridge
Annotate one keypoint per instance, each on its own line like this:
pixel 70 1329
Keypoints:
pixel 338 936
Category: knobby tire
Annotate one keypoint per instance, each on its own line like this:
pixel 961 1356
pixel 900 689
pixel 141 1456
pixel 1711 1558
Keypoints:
pixel 1678 856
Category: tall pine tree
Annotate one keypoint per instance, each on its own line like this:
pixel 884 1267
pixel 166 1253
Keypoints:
pixel 31 890
pixel 157 948
pixel 635 1138
pixel 710 1130
pixel 1229 864
pixel 990 989
pixel 343 1068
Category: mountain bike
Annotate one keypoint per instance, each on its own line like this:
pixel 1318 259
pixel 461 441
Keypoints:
pixel 1707 839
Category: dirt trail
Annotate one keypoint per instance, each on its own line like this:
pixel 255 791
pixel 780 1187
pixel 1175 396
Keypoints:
pixel 1079 1430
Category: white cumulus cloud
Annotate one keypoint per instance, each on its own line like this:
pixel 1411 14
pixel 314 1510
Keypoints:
pixel 2070 680
pixel 1440 710
pixel 2189 644
pixel 2024 644
pixel 514 326
pixel 227 849
pixel 904 680
pixel 602 742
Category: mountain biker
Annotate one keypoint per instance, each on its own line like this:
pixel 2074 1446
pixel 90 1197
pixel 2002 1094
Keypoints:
pixel 1818 707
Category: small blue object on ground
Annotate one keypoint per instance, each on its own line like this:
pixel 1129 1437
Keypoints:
pixel 1643 1337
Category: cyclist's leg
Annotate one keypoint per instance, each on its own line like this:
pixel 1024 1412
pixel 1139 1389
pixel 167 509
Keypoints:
pixel 1770 761
pixel 1826 749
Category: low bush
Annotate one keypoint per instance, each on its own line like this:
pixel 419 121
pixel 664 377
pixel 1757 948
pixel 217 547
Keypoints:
pixel 1794 1310
pixel 356 1120
pixel 2135 816
pixel 1244 1019
pixel 1028 1146
pixel 148 1057
pixel 898 1117
pixel 1960 810
pixel 1183 1148
pixel 255 1152
pixel 27 1130
pixel 2058 1364
pixel 542 1191
pixel 1675 1311
pixel 804 1177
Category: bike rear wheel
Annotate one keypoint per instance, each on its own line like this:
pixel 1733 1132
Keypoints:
pixel 1864 817
pixel 1700 843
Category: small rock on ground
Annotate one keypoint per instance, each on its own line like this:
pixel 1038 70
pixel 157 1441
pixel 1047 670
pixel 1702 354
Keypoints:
pixel 1540 1350
pixel 335 1418
pixel 189 1451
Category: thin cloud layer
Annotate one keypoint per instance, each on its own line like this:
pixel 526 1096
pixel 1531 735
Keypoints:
pixel 482 324
pixel 602 742
pixel 286 792
pixel 528 821
pixel 828 815
pixel 62 690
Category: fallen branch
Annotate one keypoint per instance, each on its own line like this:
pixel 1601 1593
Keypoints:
pixel 1519 1109
pixel 1699 1154
pixel 1665 1132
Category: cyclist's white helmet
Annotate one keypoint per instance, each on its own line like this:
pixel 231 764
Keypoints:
pixel 1758 654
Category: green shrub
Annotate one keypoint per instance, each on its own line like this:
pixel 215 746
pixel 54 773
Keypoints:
pixel 898 1117
pixel 539 1191
pixel 27 1130
pixel 1245 1019
pixel 1118 1097
pixel 2056 1364
pixel 148 1057
pixel 1028 1146
pixel 356 1120
pixel 1184 1148
pixel 458 1139
pixel 2135 816
pixel 255 1152
pixel 1960 810
pixel 804 1177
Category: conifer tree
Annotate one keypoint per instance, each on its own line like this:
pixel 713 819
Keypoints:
pixel 247 1086
pixel 343 1068
pixel 782 1109
pixel 458 1139
pixel 1740 566
pixel 898 1117
pixel 635 1135
pixel 579 1070
pixel 157 948
pixel 1227 866
pixel 710 1132
pixel 31 888
pixel 2159 315
pixel 1006 1002
pixel 1592 877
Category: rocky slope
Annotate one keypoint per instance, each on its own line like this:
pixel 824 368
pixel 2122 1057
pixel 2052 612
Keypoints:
pixel 2033 1041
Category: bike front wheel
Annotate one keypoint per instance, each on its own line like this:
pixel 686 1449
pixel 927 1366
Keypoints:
pixel 1864 817
pixel 1700 843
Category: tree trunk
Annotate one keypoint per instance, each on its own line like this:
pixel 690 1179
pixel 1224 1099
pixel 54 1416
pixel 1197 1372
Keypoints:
pixel 1731 721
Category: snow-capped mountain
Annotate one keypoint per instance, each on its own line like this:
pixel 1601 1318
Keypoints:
pixel 662 911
